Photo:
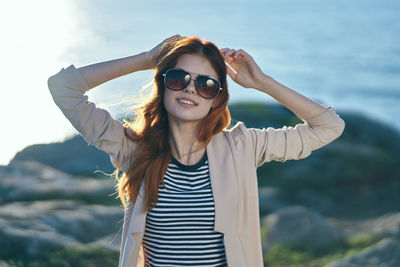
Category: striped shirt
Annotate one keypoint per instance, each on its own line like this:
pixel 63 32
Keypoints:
pixel 180 228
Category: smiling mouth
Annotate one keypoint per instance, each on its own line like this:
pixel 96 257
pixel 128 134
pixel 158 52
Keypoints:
pixel 186 101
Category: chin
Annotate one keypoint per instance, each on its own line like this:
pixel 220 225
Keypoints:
pixel 181 118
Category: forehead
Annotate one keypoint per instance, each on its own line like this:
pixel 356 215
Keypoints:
pixel 196 64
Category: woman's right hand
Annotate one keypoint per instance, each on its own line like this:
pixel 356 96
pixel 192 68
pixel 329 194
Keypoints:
pixel 153 54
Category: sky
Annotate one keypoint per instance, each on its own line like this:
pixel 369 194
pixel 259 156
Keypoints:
pixel 33 47
pixel 41 37
pixel 342 53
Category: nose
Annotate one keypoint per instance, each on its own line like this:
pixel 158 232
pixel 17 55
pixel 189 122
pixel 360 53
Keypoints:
pixel 191 87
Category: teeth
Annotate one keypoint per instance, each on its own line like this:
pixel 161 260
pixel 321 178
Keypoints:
pixel 186 101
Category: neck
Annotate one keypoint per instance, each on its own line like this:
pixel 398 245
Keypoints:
pixel 183 140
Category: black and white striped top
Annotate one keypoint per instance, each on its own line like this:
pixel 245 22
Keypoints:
pixel 180 228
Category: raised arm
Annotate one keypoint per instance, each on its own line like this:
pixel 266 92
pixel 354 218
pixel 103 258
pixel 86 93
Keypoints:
pixel 249 75
pixel 96 125
pixel 321 125
pixel 98 73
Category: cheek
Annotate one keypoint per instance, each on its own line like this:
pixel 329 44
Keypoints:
pixel 214 103
pixel 207 107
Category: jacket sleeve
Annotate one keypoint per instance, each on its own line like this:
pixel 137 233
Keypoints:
pixel 96 125
pixel 295 143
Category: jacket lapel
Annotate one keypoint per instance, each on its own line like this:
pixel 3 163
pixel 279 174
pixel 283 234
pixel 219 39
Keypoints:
pixel 223 183
pixel 138 219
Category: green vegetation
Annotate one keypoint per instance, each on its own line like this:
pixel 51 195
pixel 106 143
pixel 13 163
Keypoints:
pixel 69 257
pixel 99 199
pixel 281 255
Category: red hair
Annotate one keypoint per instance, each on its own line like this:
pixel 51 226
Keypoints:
pixel 150 128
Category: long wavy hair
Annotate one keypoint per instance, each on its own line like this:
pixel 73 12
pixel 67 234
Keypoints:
pixel 150 130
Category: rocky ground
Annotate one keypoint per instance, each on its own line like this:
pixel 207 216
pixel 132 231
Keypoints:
pixel 337 208
pixel 305 229
pixel 46 209
pixel 42 208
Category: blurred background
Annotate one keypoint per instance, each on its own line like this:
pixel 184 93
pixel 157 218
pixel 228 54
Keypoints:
pixel 341 204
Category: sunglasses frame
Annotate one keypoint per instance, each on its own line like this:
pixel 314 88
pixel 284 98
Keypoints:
pixel 195 83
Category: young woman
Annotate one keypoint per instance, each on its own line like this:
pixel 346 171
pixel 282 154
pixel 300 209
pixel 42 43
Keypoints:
pixel 189 184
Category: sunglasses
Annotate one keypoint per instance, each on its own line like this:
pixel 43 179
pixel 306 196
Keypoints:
pixel 178 79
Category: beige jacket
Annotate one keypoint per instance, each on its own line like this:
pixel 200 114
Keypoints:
pixel 233 156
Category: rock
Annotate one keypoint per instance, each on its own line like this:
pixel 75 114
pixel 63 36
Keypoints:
pixel 387 225
pixel 385 253
pixel 34 226
pixel 31 180
pixel 299 226
pixel 74 156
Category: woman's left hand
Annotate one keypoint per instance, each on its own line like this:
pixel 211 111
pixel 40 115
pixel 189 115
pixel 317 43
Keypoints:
pixel 246 71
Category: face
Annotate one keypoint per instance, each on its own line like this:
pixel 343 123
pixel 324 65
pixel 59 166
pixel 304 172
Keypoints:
pixel 186 105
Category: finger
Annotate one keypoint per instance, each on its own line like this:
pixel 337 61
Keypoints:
pixel 228 59
pixel 231 73
pixel 230 52
pixel 238 52
pixel 174 37
pixel 226 52
pixel 223 50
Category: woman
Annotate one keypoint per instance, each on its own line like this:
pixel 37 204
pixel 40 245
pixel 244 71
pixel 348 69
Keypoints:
pixel 189 184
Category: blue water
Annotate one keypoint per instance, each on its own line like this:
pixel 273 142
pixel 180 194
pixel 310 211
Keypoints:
pixel 340 53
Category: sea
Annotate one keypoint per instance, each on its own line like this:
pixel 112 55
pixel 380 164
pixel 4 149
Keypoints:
pixel 342 53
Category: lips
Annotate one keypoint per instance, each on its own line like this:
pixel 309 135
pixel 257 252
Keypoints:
pixel 186 100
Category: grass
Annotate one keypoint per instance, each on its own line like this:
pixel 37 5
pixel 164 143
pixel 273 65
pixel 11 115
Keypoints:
pixel 281 255
pixel 70 257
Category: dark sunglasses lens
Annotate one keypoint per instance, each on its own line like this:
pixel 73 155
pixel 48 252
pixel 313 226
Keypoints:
pixel 177 79
pixel 207 87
